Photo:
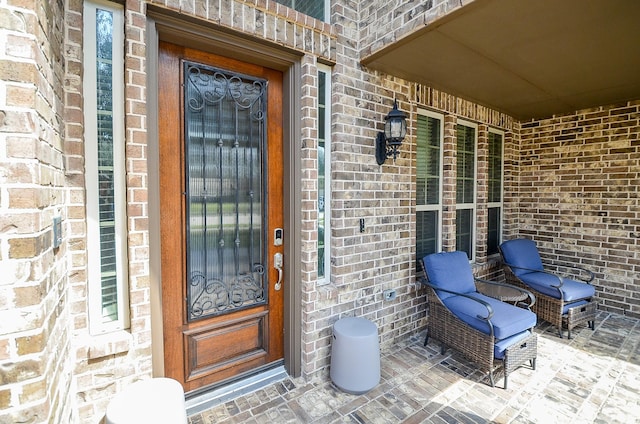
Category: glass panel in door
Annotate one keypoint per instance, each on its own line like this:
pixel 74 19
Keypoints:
pixel 224 141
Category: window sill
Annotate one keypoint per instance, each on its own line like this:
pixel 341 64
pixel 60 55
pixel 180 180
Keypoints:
pixel 109 344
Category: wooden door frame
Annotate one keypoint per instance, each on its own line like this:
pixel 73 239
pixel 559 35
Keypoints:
pixel 194 34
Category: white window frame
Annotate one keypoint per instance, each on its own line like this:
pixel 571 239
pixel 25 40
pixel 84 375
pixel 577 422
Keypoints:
pixel 499 204
pixel 473 205
pixel 96 324
pixel 327 174
pixel 437 207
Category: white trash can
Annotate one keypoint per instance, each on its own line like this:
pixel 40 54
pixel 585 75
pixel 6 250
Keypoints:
pixel 155 400
pixel 355 355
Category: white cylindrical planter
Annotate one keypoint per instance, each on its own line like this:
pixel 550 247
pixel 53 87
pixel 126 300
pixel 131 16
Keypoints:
pixel 156 400
pixel 355 355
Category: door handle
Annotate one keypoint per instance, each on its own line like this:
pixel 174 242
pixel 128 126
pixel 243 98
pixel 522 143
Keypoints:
pixel 277 264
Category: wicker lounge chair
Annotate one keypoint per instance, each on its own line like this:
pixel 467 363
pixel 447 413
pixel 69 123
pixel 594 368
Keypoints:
pixel 563 302
pixel 487 331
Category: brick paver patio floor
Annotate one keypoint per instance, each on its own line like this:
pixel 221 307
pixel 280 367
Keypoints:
pixel 592 378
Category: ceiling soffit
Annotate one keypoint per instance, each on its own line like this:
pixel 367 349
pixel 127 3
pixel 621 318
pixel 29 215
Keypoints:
pixel 530 59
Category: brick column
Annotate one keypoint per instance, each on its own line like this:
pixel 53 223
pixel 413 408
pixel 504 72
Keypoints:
pixel 449 185
pixel 482 172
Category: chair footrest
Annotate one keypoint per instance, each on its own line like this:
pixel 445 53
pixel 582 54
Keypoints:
pixel 520 352
pixel 581 313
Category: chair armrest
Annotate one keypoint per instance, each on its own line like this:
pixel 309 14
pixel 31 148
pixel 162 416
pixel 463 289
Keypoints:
pixel 560 280
pixel 589 274
pixel 482 302
pixel 524 292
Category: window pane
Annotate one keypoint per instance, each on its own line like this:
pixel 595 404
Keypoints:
pixel 493 234
pixel 106 190
pixel 313 8
pixel 105 174
pixel 322 80
pixel 465 180
pixel 464 231
pixel 426 233
pixel 428 161
pixel 495 167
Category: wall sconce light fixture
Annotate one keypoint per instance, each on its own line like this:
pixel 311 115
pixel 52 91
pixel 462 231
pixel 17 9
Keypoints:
pixel 389 141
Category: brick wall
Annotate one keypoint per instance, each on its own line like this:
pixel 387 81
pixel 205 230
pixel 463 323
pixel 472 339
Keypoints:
pixel 363 263
pixel 35 369
pixel 104 364
pixel 383 256
pixel 578 196
pixel 312 349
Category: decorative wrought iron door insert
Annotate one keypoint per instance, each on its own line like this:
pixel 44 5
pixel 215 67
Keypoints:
pixel 225 127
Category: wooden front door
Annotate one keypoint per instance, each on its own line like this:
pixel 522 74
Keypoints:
pixel 221 199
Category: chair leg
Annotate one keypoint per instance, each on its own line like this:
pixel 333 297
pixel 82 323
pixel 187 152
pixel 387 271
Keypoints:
pixel 491 378
pixel 505 381
pixel 426 339
pixel 533 364
pixel 443 349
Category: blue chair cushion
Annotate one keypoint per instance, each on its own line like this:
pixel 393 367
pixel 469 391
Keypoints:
pixel 571 290
pixel 507 319
pixel 521 253
pixel 501 345
pixel 450 271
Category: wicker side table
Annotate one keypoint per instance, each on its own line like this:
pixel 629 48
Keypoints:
pixel 502 292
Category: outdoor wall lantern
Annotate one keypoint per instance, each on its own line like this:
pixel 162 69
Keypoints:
pixel 389 141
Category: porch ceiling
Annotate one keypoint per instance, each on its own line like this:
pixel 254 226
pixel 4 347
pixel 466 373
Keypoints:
pixel 530 59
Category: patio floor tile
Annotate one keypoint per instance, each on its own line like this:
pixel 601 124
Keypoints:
pixel 592 378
